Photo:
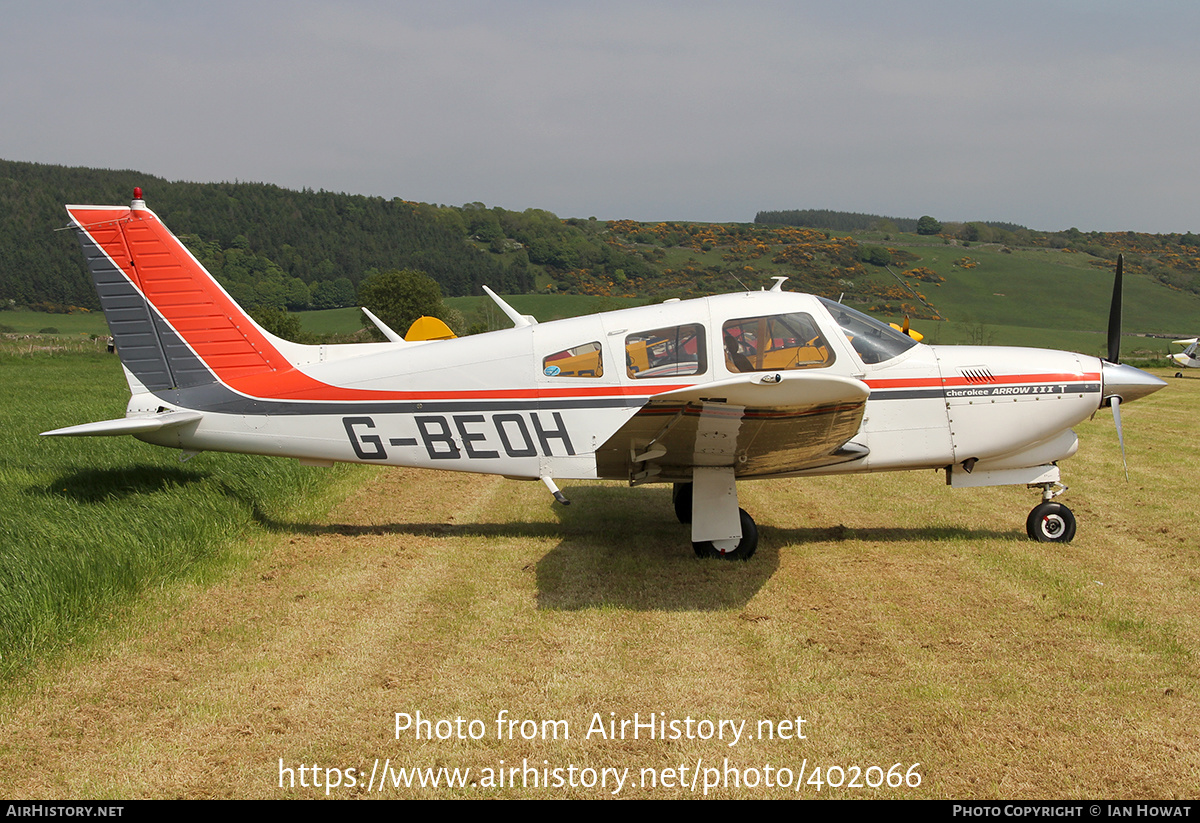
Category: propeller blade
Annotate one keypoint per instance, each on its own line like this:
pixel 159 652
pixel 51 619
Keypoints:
pixel 905 329
pixel 1114 315
pixel 1116 407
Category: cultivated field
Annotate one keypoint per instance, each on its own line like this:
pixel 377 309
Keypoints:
pixel 921 638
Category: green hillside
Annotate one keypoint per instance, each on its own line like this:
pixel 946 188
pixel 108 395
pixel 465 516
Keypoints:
pixel 1051 289
pixel 297 239
pixel 308 251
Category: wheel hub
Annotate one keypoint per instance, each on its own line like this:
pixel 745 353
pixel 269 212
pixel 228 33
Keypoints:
pixel 1052 525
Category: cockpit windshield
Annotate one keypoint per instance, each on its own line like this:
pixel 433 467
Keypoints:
pixel 875 342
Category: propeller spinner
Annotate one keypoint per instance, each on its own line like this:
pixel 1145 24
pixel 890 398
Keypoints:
pixel 1122 384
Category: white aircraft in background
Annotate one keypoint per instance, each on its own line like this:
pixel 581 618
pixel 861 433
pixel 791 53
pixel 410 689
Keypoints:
pixel 1188 357
pixel 699 393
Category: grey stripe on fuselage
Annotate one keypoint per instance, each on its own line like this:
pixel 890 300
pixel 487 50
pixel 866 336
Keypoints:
pixel 1025 390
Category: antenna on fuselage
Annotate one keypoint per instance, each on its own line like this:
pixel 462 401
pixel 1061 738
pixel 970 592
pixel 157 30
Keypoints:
pixel 513 315
pixel 779 281
pixel 383 327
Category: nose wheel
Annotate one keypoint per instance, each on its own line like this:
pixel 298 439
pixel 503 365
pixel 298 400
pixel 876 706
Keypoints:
pixel 1050 523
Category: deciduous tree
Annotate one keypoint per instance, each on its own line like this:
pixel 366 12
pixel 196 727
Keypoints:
pixel 398 297
pixel 928 225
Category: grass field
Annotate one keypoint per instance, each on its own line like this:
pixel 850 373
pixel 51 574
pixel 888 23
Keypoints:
pixel 31 322
pixel 1045 289
pixel 90 522
pixel 1031 288
pixel 914 628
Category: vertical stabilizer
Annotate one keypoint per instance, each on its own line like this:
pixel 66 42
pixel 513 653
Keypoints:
pixel 173 325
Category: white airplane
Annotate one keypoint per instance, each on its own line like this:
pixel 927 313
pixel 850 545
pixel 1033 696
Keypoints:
pixel 1188 358
pixel 699 393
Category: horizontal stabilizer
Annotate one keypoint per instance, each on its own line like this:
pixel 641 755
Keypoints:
pixel 127 425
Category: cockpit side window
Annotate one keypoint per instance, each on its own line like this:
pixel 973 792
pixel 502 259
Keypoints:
pixel 875 341
pixel 670 352
pixel 579 361
pixel 774 342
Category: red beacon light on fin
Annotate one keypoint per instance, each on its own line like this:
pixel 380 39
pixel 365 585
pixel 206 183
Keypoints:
pixel 138 202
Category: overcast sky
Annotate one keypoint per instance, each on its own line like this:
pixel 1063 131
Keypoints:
pixel 1052 114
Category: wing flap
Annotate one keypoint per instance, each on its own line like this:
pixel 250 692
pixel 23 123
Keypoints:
pixel 760 424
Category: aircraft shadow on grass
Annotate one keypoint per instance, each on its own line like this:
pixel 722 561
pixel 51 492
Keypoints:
pixel 99 485
pixel 636 561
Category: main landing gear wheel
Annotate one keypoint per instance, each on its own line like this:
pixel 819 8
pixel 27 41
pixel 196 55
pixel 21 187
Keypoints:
pixel 733 549
pixel 681 498
pixel 1051 523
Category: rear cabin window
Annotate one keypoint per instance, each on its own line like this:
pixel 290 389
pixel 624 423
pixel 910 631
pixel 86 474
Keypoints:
pixel 670 352
pixel 580 361
pixel 775 342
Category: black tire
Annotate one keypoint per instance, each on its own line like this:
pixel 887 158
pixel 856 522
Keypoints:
pixel 1050 523
pixel 1179 374
pixel 681 498
pixel 745 547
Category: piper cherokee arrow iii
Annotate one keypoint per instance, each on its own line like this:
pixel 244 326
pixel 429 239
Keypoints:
pixel 700 393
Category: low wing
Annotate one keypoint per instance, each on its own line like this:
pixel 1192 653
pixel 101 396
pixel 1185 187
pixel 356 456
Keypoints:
pixel 762 424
